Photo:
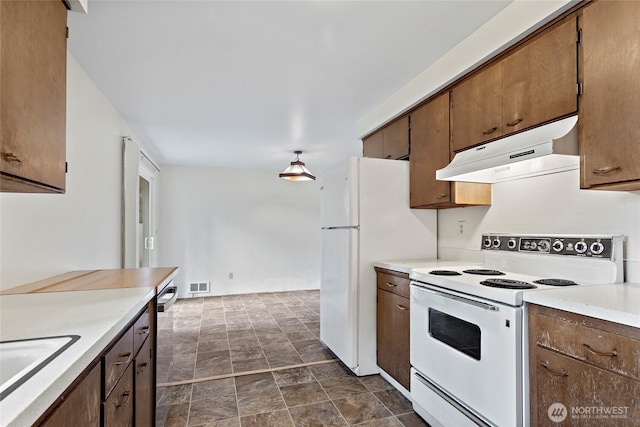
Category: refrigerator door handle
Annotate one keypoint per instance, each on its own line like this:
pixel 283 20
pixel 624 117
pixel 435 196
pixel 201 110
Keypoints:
pixel 342 227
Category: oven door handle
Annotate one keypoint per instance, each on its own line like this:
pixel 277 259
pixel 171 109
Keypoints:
pixel 457 298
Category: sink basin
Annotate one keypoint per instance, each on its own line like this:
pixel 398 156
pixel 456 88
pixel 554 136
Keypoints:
pixel 21 359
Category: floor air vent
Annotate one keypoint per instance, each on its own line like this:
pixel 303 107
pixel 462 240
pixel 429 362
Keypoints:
pixel 198 287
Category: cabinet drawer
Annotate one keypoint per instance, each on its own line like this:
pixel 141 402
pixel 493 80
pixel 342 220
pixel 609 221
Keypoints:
pixel 118 408
pixel 397 283
pixel 141 330
pixel 117 360
pixel 583 389
pixel 600 348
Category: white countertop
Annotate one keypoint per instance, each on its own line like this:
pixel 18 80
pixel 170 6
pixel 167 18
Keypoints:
pixel 96 316
pixel 406 265
pixel 618 303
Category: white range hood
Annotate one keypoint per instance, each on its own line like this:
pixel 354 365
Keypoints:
pixel 543 150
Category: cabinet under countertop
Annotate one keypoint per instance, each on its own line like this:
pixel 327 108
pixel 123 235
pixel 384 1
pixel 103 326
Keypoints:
pixel 95 305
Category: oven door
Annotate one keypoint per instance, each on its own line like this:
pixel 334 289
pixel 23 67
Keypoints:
pixel 470 349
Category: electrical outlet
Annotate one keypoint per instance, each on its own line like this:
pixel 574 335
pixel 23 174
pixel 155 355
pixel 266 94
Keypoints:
pixel 231 275
pixel 461 227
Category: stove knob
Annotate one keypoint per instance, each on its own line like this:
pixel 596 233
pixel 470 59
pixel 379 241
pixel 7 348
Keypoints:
pixel 543 246
pixel 581 247
pixel 597 248
pixel 533 246
pixel 527 245
pixel 512 243
pixel 487 242
pixel 558 245
pixel 496 243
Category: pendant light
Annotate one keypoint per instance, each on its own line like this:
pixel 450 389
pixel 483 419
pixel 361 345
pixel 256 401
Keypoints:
pixel 297 171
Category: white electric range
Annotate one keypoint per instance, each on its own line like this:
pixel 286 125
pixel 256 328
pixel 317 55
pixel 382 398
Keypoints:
pixel 467 322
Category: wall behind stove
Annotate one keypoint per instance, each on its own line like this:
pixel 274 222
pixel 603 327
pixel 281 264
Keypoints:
pixel 550 204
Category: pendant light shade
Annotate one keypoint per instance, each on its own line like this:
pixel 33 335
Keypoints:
pixel 297 171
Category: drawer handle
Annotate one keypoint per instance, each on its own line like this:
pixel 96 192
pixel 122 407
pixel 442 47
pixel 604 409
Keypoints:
pixel 606 170
pixel 142 367
pixel 490 131
pixel 144 330
pixel 388 156
pixel 11 157
pixel 391 285
pixel 125 356
pixel 441 196
pixel 562 373
pixel 601 353
pixel 514 122
pixel 402 307
pixel 127 395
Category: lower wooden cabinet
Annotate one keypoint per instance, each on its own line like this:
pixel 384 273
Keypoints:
pixel 119 390
pixel 118 407
pixel 81 406
pixel 582 371
pixel 144 386
pixel 392 325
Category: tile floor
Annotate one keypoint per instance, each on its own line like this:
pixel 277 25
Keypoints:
pixel 207 346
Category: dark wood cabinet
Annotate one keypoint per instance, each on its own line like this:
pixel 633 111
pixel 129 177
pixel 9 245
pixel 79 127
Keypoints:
pixel 533 85
pixel 392 325
pixel 476 108
pixel 539 80
pixel 81 405
pixel 582 362
pixel 372 145
pixel 390 142
pixel 609 129
pixel 33 60
pixel 430 152
pixel 119 390
pixel 144 406
pixel 118 407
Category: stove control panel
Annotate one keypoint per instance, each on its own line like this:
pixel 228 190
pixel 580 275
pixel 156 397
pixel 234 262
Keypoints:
pixel 593 247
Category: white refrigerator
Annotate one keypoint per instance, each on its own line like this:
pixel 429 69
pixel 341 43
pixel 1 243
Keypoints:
pixel 365 218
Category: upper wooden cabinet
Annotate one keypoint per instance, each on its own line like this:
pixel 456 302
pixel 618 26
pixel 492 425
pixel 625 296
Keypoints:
pixel 609 128
pixel 476 109
pixel 430 152
pixel 533 85
pixel 33 59
pixel 390 142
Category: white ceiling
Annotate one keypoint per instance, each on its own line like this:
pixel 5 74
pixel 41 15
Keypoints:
pixel 239 83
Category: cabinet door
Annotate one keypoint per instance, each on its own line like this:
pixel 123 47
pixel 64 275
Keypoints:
pixel 539 80
pixel 396 139
pixel 144 407
pixel 372 145
pixel 393 336
pixel 582 387
pixel 82 406
pixel 476 109
pixel 33 95
pixel 118 408
pixel 609 125
pixel 429 152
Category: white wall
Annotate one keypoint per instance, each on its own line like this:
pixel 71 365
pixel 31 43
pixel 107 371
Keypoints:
pixel 265 230
pixel 510 25
pixel 550 204
pixel 47 234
